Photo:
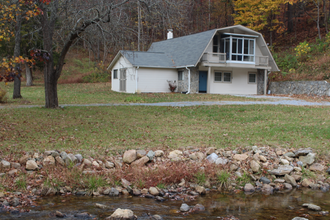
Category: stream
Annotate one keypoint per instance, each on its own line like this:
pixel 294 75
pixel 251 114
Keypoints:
pixel 281 205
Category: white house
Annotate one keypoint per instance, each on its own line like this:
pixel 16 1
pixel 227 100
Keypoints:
pixel 230 60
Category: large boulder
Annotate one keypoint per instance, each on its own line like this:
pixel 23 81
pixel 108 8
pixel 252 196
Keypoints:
pixel 129 156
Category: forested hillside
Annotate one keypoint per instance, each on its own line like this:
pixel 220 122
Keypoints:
pixel 37 34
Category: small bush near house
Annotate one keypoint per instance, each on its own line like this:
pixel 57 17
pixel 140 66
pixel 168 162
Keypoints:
pixel 3 97
pixel 100 74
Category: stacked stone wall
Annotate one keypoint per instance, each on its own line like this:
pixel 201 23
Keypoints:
pixel 319 88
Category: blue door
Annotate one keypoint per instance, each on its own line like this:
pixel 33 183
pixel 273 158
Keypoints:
pixel 202 81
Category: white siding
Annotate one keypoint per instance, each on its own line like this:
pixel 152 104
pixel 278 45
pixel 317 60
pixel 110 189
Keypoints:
pixel 130 76
pixel 155 80
pixel 238 85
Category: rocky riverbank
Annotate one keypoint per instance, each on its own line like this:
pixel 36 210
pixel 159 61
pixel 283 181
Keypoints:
pixel 160 175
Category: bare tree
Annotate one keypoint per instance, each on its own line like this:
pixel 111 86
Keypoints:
pixel 79 16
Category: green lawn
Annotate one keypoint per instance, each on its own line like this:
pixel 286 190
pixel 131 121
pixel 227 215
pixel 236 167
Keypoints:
pixel 85 93
pixel 93 130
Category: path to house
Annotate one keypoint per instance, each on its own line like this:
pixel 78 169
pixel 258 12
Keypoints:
pixel 271 100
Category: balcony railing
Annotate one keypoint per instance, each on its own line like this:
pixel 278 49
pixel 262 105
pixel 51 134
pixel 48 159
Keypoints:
pixel 214 57
pixel 222 58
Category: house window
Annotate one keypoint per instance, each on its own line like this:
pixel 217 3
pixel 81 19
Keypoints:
pixel 180 75
pixel 238 48
pixel 215 44
pixel 115 74
pixel 217 76
pixel 227 77
pixel 252 78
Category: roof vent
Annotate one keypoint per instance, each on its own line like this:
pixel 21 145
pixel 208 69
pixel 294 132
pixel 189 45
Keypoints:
pixel 169 34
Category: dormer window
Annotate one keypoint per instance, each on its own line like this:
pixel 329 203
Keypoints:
pixel 237 48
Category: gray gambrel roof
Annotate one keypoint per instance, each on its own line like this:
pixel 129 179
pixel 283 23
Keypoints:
pixel 185 51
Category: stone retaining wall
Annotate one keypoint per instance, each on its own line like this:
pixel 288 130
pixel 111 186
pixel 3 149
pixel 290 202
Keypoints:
pixel 319 88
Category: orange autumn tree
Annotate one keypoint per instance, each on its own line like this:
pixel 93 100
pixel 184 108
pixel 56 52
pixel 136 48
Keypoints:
pixel 13 14
pixel 260 14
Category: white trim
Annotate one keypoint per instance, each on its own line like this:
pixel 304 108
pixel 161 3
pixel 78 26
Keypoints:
pixel 243 35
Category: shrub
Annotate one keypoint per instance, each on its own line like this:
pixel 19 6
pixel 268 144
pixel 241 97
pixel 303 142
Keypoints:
pixel 302 51
pixel 223 178
pixel 100 74
pixel 3 97
pixel 200 178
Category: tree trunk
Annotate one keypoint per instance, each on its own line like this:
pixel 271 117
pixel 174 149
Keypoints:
pixel 17 51
pixel 28 75
pixel 50 86
pixel 290 17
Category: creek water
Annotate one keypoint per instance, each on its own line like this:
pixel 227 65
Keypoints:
pixel 284 205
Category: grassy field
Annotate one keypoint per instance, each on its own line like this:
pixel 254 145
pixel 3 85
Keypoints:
pixel 94 130
pixel 85 93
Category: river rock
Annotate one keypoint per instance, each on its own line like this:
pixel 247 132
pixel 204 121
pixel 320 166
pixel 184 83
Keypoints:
pixel 240 157
pixel 159 153
pixel 4 164
pixel 290 179
pixel 221 160
pixel 307 160
pixel 284 162
pixel 151 155
pixel 264 180
pixel 200 155
pixel 153 191
pixel 109 165
pixel 13 172
pixel 49 160
pixel 140 153
pixel 136 192
pixel 289 154
pixel 59 214
pixel 15 165
pixel 299 218
pixel 306 183
pixel 129 156
pixel 59 160
pixel 281 170
pixel 267 189
pixel 328 170
pixel 262 158
pixel 156 217
pixel 122 214
pixel 198 208
pixel 101 206
pixel 200 189
pixel 317 167
pixel 210 150
pixel 287 186
pixel 95 164
pixel 193 156
pixel 302 152
pixel 79 157
pixel 125 183
pixel 312 206
pixel 83 215
pixel 254 166
pixel 227 153
pixel 174 154
pixel 31 165
pixel 114 192
pixel 212 157
pixel 24 159
pixel 249 188
pixel 141 162
pixel 233 167
pixel 184 207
